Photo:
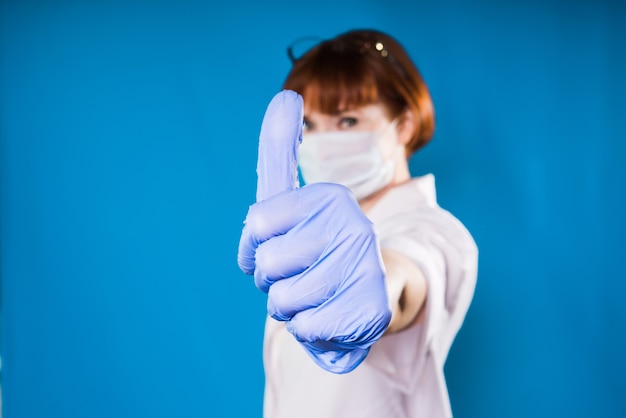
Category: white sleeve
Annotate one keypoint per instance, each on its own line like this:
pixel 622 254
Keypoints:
pixel 447 255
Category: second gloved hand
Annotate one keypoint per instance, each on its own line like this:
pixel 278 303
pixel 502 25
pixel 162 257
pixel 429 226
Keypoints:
pixel 313 251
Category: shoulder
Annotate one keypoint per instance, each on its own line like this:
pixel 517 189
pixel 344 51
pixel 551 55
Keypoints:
pixel 414 205
pixel 410 221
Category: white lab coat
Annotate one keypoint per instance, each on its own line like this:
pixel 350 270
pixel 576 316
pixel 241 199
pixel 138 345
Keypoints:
pixel 402 377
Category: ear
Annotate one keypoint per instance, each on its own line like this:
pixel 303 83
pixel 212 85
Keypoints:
pixel 407 126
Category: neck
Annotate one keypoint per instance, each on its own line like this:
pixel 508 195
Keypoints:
pixel 402 176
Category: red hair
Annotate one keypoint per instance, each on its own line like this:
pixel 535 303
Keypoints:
pixel 362 67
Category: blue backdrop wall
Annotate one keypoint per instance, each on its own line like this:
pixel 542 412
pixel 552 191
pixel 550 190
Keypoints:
pixel 127 163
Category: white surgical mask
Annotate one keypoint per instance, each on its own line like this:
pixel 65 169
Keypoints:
pixel 363 161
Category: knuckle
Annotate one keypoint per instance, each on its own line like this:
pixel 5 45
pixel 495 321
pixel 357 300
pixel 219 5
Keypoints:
pixel 266 260
pixel 279 304
pixel 256 220
pixel 261 281
pixel 340 192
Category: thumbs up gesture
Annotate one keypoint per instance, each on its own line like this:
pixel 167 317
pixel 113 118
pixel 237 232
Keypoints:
pixel 312 250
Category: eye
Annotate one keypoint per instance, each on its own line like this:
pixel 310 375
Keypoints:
pixel 307 125
pixel 347 122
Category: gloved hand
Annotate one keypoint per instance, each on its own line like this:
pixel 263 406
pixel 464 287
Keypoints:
pixel 312 250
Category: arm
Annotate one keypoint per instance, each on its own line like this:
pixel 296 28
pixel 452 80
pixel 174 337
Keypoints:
pixel 406 289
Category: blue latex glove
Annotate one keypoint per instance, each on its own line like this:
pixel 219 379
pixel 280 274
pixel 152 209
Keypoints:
pixel 312 250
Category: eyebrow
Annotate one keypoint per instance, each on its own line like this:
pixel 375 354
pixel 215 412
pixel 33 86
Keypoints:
pixel 349 110
pixel 337 113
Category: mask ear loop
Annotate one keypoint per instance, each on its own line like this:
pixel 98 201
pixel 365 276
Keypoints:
pixel 392 124
pixel 384 146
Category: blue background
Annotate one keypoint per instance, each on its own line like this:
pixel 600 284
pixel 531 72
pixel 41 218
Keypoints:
pixel 127 162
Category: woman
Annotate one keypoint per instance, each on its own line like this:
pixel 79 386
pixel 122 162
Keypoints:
pixel 366 111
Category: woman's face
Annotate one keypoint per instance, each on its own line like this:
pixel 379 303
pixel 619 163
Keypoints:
pixel 372 117
pixel 367 164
